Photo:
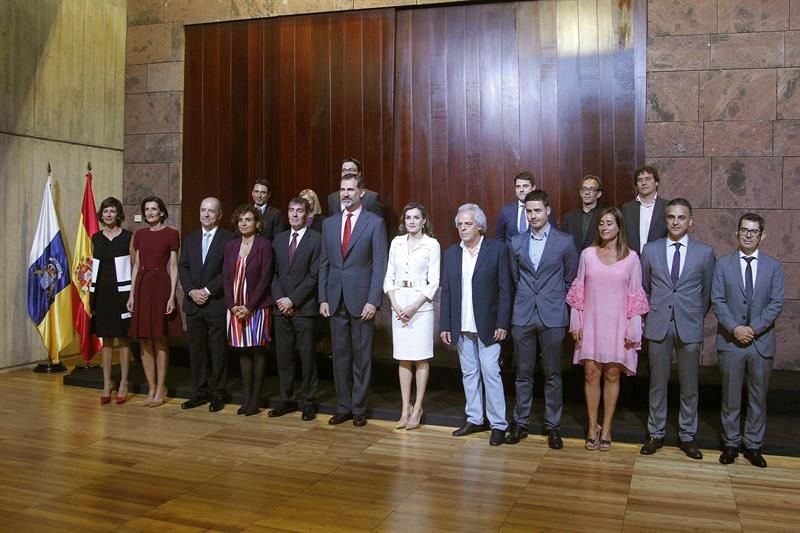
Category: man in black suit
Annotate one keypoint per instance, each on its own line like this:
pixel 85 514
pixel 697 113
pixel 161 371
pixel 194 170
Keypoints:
pixel 645 216
pixel 371 200
pixel 200 272
pixel 582 222
pixel 294 288
pixel 271 218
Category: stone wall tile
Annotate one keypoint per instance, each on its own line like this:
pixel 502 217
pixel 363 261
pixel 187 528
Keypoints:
pixel 140 180
pixel 163 147
pixel 782 226
pixel 794 14
pixel 746 182
pixel 153 112
pixel 681 17
pixel 717 228
pixel 175 184
pixel 788 93
pixel 296 7
pixel 680 52
pixel 135 149
pixel 738 95
pixel 246 9
pixel 753 15
pixel 674 139
pixel 367 4
pixel 671 96
pixel 747 50
pixel 791 182
pixel 193 11
pixel 145 12
pixel 791 49
pixel 178 42
pixel 787 137
pixel 685 177
pixel 135 79
pixel 149 44
pixel 737 138
pixel 165 76
pixel 787 331
pixel 791 275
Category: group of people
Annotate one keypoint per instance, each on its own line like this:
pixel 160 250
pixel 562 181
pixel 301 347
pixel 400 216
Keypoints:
pixel 614 279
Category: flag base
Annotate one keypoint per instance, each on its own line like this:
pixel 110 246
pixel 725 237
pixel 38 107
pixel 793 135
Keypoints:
pixel 49 368
pixel 85 366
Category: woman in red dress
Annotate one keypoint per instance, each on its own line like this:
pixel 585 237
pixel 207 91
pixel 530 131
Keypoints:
pixel 152 301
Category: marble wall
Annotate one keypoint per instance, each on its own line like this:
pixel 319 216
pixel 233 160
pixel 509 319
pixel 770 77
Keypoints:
pixel 61 101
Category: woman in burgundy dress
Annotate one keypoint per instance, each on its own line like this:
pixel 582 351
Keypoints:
pixel 152 301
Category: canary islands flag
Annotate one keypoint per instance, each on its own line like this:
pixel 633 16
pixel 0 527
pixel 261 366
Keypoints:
pixel 49 294
pixel 82 273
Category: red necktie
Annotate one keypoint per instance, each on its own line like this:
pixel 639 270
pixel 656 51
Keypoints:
pixel 346 234
pixel 292 247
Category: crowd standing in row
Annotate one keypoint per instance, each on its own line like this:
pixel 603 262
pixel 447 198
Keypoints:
pixel 612 279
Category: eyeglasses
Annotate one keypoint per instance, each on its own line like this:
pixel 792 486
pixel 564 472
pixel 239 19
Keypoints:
pixel 589 190
pixel 744 232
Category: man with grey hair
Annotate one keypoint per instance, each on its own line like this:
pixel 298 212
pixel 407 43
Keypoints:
pixel 475 316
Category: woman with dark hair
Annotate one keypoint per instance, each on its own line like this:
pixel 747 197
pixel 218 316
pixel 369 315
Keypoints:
pixel 108 293
pixel 152 300
pixel 412 278
pixel 607 303
pixel 246 276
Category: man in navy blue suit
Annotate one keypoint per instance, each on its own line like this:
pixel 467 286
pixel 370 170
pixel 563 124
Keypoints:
pixel 512 218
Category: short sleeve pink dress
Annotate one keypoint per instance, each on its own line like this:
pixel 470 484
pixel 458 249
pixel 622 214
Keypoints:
pixel 607 303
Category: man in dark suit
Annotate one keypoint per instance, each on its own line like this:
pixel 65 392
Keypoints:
pixel 294 289
pixel 582 222
pixel 352 268
pixel 676 276
pixel 544 262
pixel 371 201
pixel 475 315
pixel 512 218
pixel 747 294
pixel 272 221
pixel 200 272
pixel 644 216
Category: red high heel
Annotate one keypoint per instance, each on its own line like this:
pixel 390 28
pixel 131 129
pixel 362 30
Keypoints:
pixel 105 399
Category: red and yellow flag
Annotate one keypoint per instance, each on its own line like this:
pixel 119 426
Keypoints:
pixel 82 273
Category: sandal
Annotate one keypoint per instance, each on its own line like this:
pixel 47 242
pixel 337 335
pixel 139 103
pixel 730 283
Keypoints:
pixel 592 442
pixel 604 446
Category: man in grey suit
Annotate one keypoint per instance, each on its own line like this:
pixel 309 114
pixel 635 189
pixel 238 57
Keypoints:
pixel 351 270
pixel 644 215
pixel 747 294
pixel 371 201
pixel 676 276
pixel 544 262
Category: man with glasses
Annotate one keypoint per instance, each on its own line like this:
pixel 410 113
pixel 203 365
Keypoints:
pixel 371 201
pixel 582 222
pixel 644 216
pixel 747 295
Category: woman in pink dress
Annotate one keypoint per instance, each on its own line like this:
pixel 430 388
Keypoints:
pixel 607 302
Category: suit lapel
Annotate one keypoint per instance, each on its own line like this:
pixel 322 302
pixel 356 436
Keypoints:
pixel 357 230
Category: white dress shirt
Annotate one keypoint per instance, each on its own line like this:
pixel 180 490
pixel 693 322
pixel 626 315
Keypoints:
pixel 353 219
pixel 300 233
pixel 753 267
pixel 671 252
pixel 645 217
pixel 468 262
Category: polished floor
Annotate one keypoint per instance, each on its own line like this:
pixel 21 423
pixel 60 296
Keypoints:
pixel 69 464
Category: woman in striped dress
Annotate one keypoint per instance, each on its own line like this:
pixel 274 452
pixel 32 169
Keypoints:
pixel 247 271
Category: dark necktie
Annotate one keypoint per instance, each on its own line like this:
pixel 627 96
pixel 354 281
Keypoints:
pixel 522 224
pixel 675 273
pixel 292 247
pixel 346 235
pixel 748 284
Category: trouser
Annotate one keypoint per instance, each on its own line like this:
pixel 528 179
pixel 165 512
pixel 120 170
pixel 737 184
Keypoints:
pixel 290 334
pixel 735 367
pixel 480 372
pixel 352 359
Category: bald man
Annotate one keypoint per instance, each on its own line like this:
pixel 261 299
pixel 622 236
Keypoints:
pixel 200 272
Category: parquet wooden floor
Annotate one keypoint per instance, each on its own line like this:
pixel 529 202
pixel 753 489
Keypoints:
pixel 69 464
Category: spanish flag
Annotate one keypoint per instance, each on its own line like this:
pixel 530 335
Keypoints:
pixel 82 274
pixel 49 294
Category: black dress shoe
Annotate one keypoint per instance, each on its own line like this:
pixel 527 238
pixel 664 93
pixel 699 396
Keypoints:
pixel 308 413
pixel 754 456
pixel 339 418
pixel 193 402
pixel 729 455
pixel 217 404
pixel 242 410
pixel 516 434
pixel 251 412
pixel 554 440
pixel 691 449
pixel 280 411
pixel 497 438
pixel 359 420
pixel 468 429
pixel 651 446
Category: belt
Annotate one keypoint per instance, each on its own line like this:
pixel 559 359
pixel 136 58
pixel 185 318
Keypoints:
pixel 408 284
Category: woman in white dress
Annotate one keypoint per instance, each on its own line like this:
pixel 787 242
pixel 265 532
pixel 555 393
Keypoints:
pixel 412 278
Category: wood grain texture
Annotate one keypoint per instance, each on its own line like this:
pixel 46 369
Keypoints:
pixel 70 464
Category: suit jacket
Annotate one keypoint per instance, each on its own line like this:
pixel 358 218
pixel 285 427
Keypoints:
pixel 357 277
pixel 194 274
pixel 572 225
pixel 258 272
pixel 272 223
pixel 371 201
pixel 688 301
pixel 316 223
pixel 658 224
pixel 544 288
pixel 298 281
pixel 491 291
pixel 730 304
pixel 508 222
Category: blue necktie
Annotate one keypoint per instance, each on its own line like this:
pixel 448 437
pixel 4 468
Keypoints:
pixel 676 264
pixel 206 243
pixel 748 285
pixel 523 222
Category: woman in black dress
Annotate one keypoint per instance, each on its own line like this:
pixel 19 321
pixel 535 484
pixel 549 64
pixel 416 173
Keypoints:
pixel 111 284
